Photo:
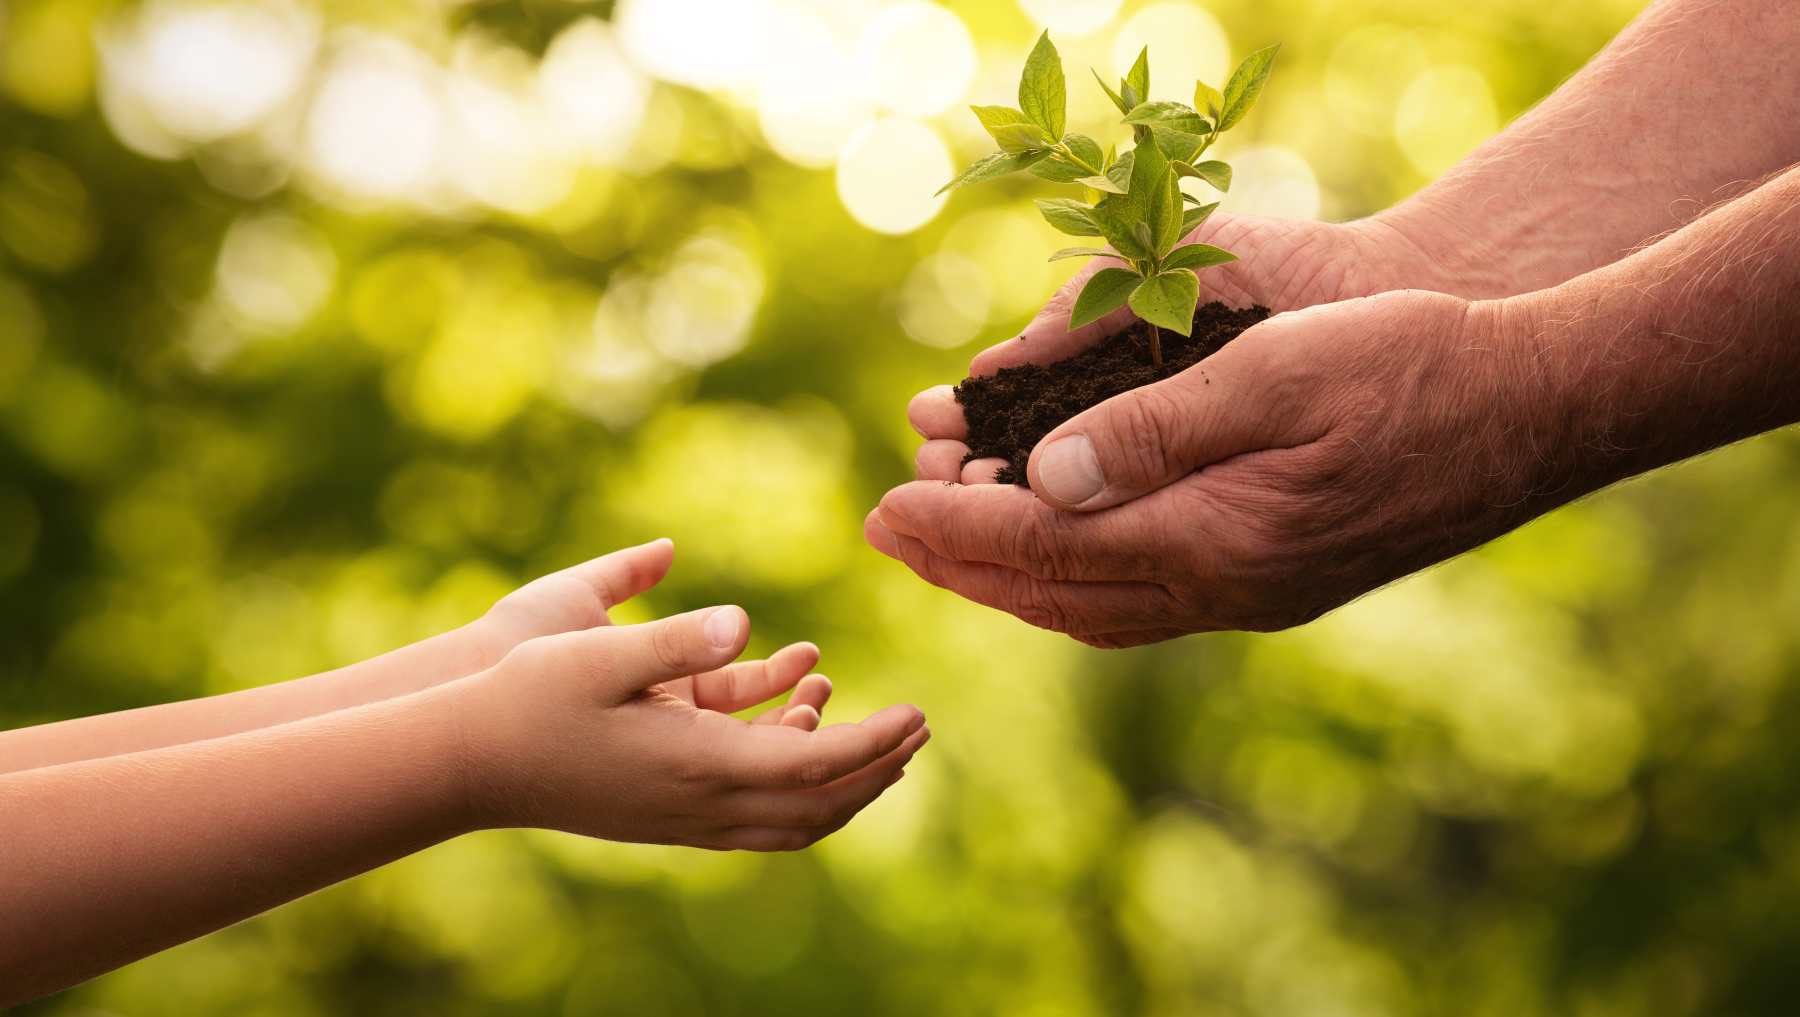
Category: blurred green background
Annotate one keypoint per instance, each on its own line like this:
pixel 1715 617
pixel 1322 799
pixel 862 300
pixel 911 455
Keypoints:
pixel 322 326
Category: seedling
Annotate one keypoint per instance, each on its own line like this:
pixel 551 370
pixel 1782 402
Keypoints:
pixel 1132 199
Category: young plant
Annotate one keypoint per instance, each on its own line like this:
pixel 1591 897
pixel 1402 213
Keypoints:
pixel 1133 200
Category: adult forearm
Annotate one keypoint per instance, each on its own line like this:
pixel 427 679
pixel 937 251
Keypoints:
pixel 103 862
pixel 411 668
pixel 1691 104
pixel 1684 346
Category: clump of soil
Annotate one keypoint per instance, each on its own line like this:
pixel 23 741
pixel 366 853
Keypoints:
pixel 1010 411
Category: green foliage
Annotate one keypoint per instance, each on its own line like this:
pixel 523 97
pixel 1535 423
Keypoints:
pixel 1104 293
pixel 1134 200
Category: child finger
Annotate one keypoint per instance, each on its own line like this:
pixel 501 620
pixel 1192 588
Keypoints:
pixel 744 684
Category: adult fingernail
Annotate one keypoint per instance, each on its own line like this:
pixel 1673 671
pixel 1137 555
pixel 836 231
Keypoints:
pixel 1069 471
pixel 723 627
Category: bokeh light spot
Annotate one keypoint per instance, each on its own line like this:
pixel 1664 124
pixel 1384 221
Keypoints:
pixel 1071 18
pixel 917 58
pixel 1272 180
pixel 594 96
pixel 944 301
pixel 274 270
pixel 374 129
pixel 1368 71
pixel 207 70
pixel 1186 44
pixel 887 172
pixel 1444 114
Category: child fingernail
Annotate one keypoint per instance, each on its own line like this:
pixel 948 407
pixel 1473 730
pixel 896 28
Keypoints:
pixel 723 627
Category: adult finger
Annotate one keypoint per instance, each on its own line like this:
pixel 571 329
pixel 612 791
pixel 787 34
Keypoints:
pixel 982 471
pixel 1246 398
pixel 935 413
pixel 1003 524
pixel 1060 606
pixel 940 459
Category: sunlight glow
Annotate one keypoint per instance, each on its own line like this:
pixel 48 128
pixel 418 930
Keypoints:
pixel 1272 180
pixel 274 271
pixel 592 95
pixel 1446 112
pixel 803 122
pixel 1186 43
pixel 702 43
pixel 376 124
pixel 1071 18
pixel 206 71
pixel 944 302
pixel 888 171
pixel 917 58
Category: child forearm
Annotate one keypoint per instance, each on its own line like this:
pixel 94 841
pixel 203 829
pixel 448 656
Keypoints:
pixel 107 860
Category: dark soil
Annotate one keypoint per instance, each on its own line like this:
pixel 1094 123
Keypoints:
pixel 1010 411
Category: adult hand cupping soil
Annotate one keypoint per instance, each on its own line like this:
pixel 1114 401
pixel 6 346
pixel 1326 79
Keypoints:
pixel 1295 264
pixel 1327 451
pixel 1308 428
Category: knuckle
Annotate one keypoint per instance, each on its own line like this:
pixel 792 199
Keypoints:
pixel 1035 544
pixel 1147 429
pixel 1032 603
pixel 669 642
pixel 812 772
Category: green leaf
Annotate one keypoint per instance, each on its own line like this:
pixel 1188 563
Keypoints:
pixel 988 167
pixel 1117 99
pixel 1208 98
pixel 1136 87
pixel 1058 170
pixel 1193 217
pixel 1149 178
pixel 1169 115
pixel 1165 224
pixel 1167 300
pixel 1020 137
pixel 1114 217
pixel 1245 85
pixel 1102 184
pixel 1140 232
pixel 1069 216
pixel 1086 149
pixel 1083 252
pixel 1148 112
pixel 1120 170
pixel 1197 256
pixel 1178 145
pixel 1103 294
pixel 1042 94
pixel 1216 174
pixel 997 116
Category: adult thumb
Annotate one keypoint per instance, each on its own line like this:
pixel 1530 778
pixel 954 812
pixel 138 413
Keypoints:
pixel 1149 437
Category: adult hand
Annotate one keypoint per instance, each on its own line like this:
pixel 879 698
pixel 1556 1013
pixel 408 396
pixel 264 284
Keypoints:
pixel 1320 455
pixel 1283 265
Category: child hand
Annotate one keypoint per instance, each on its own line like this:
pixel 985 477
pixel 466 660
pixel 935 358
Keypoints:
pixel 574 598
pixel 746 683
pixel 615 732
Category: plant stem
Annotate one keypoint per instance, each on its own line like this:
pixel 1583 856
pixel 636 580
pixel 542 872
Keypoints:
pixel 1156 348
